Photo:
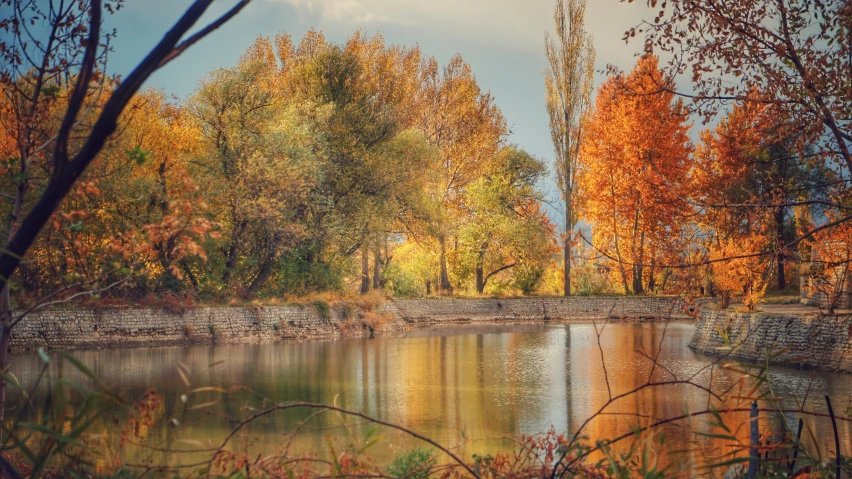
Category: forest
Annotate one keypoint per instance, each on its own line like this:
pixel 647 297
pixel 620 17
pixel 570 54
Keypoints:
pixel 313 167
pixel 305 167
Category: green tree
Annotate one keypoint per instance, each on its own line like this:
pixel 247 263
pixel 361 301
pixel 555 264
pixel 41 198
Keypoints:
pixel 506 230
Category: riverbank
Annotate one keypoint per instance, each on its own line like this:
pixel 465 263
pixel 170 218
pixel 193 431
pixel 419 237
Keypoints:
pixel 784 338
pixel 147 327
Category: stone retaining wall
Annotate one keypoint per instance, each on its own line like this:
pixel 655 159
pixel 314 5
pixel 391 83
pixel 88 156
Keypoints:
pixel 820 341
pixel 579 308
pixel 132 327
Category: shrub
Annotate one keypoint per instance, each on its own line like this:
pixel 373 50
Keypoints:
pixel 171 303
pixel 300 276
pixel 323 309
pixel 370 301
pixel 414 464
pixel 735 272
pixel 528 277
pixel 374 320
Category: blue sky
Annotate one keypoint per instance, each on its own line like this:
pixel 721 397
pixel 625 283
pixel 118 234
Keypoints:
pixel 501 39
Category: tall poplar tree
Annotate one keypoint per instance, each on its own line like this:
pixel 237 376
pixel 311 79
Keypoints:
pixel 568 88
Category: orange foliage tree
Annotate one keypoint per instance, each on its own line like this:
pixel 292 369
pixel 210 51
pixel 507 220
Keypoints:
pixel 792 54
pixel 738 268
pixel 749 177
pixel 635 162
pixel 792 57
pixel 831 271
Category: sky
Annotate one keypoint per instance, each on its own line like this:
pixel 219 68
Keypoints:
pixel 503 41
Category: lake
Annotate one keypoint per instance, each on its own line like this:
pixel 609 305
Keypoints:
pixel 473 388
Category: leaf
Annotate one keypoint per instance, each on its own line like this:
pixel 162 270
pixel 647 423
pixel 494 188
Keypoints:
pixel 50 432
pixel 43 355
pixel 85 370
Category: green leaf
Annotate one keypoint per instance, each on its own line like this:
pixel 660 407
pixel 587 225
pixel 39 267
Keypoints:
pixel 43 355
pixel 138 155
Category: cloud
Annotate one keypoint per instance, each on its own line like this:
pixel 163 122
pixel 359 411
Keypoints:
pixel 513 24
pixel 342 11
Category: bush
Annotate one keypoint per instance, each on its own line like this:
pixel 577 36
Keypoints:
pixel 414 464
pixel 404 283
pixel 528 277
pixel 734 272
pixel 323 309
pixel 588 281
pixel 300 276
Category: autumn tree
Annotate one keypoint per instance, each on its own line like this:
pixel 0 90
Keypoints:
pixel 636 160
pixel 568 89
pixel 51 47
pixel 506 230
pixel 138 206
pixel 738 268
pixel 467 128
pixel 261 154
pixel 749 177
pixel 830 277
pixel 792 55
pixel 316 144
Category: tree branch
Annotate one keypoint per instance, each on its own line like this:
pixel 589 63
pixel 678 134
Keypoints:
pixel 66 176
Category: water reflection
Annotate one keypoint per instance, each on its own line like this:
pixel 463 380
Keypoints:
pixel 468 387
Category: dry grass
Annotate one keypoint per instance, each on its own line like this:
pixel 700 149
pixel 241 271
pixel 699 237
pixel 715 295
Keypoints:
pixel 374 320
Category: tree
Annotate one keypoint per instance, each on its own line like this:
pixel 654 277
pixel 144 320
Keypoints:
pixel 792 55
pixel 506 230
pixel 137 206
pixel 262 163
pixel 831 267
pixel 749 177
pixel 636 160
pixel 32 69
pixel 568 89
pixel 738 270
pixel 467 128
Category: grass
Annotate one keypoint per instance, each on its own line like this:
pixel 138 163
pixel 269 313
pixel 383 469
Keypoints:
pixel 323 308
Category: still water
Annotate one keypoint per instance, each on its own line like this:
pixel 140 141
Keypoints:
pixel 472 388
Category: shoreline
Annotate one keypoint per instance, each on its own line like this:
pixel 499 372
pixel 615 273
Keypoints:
pixel 127 327
pixel 806 341
pixel 819 341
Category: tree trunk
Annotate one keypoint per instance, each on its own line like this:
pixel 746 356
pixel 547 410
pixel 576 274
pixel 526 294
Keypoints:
pixel 377 266
pixel 233 253
pixel 365 270
pixel 566 253
pixel 428 286
pixel 652 281
pixel 666 274
pixel 638 286
pixel 266 268
pixel 262 277
pixel 480 279
pixel 779 239
pixel 480 273
pixel 444 285
pixel 189 274
pixel 5 340
pixel 615 237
